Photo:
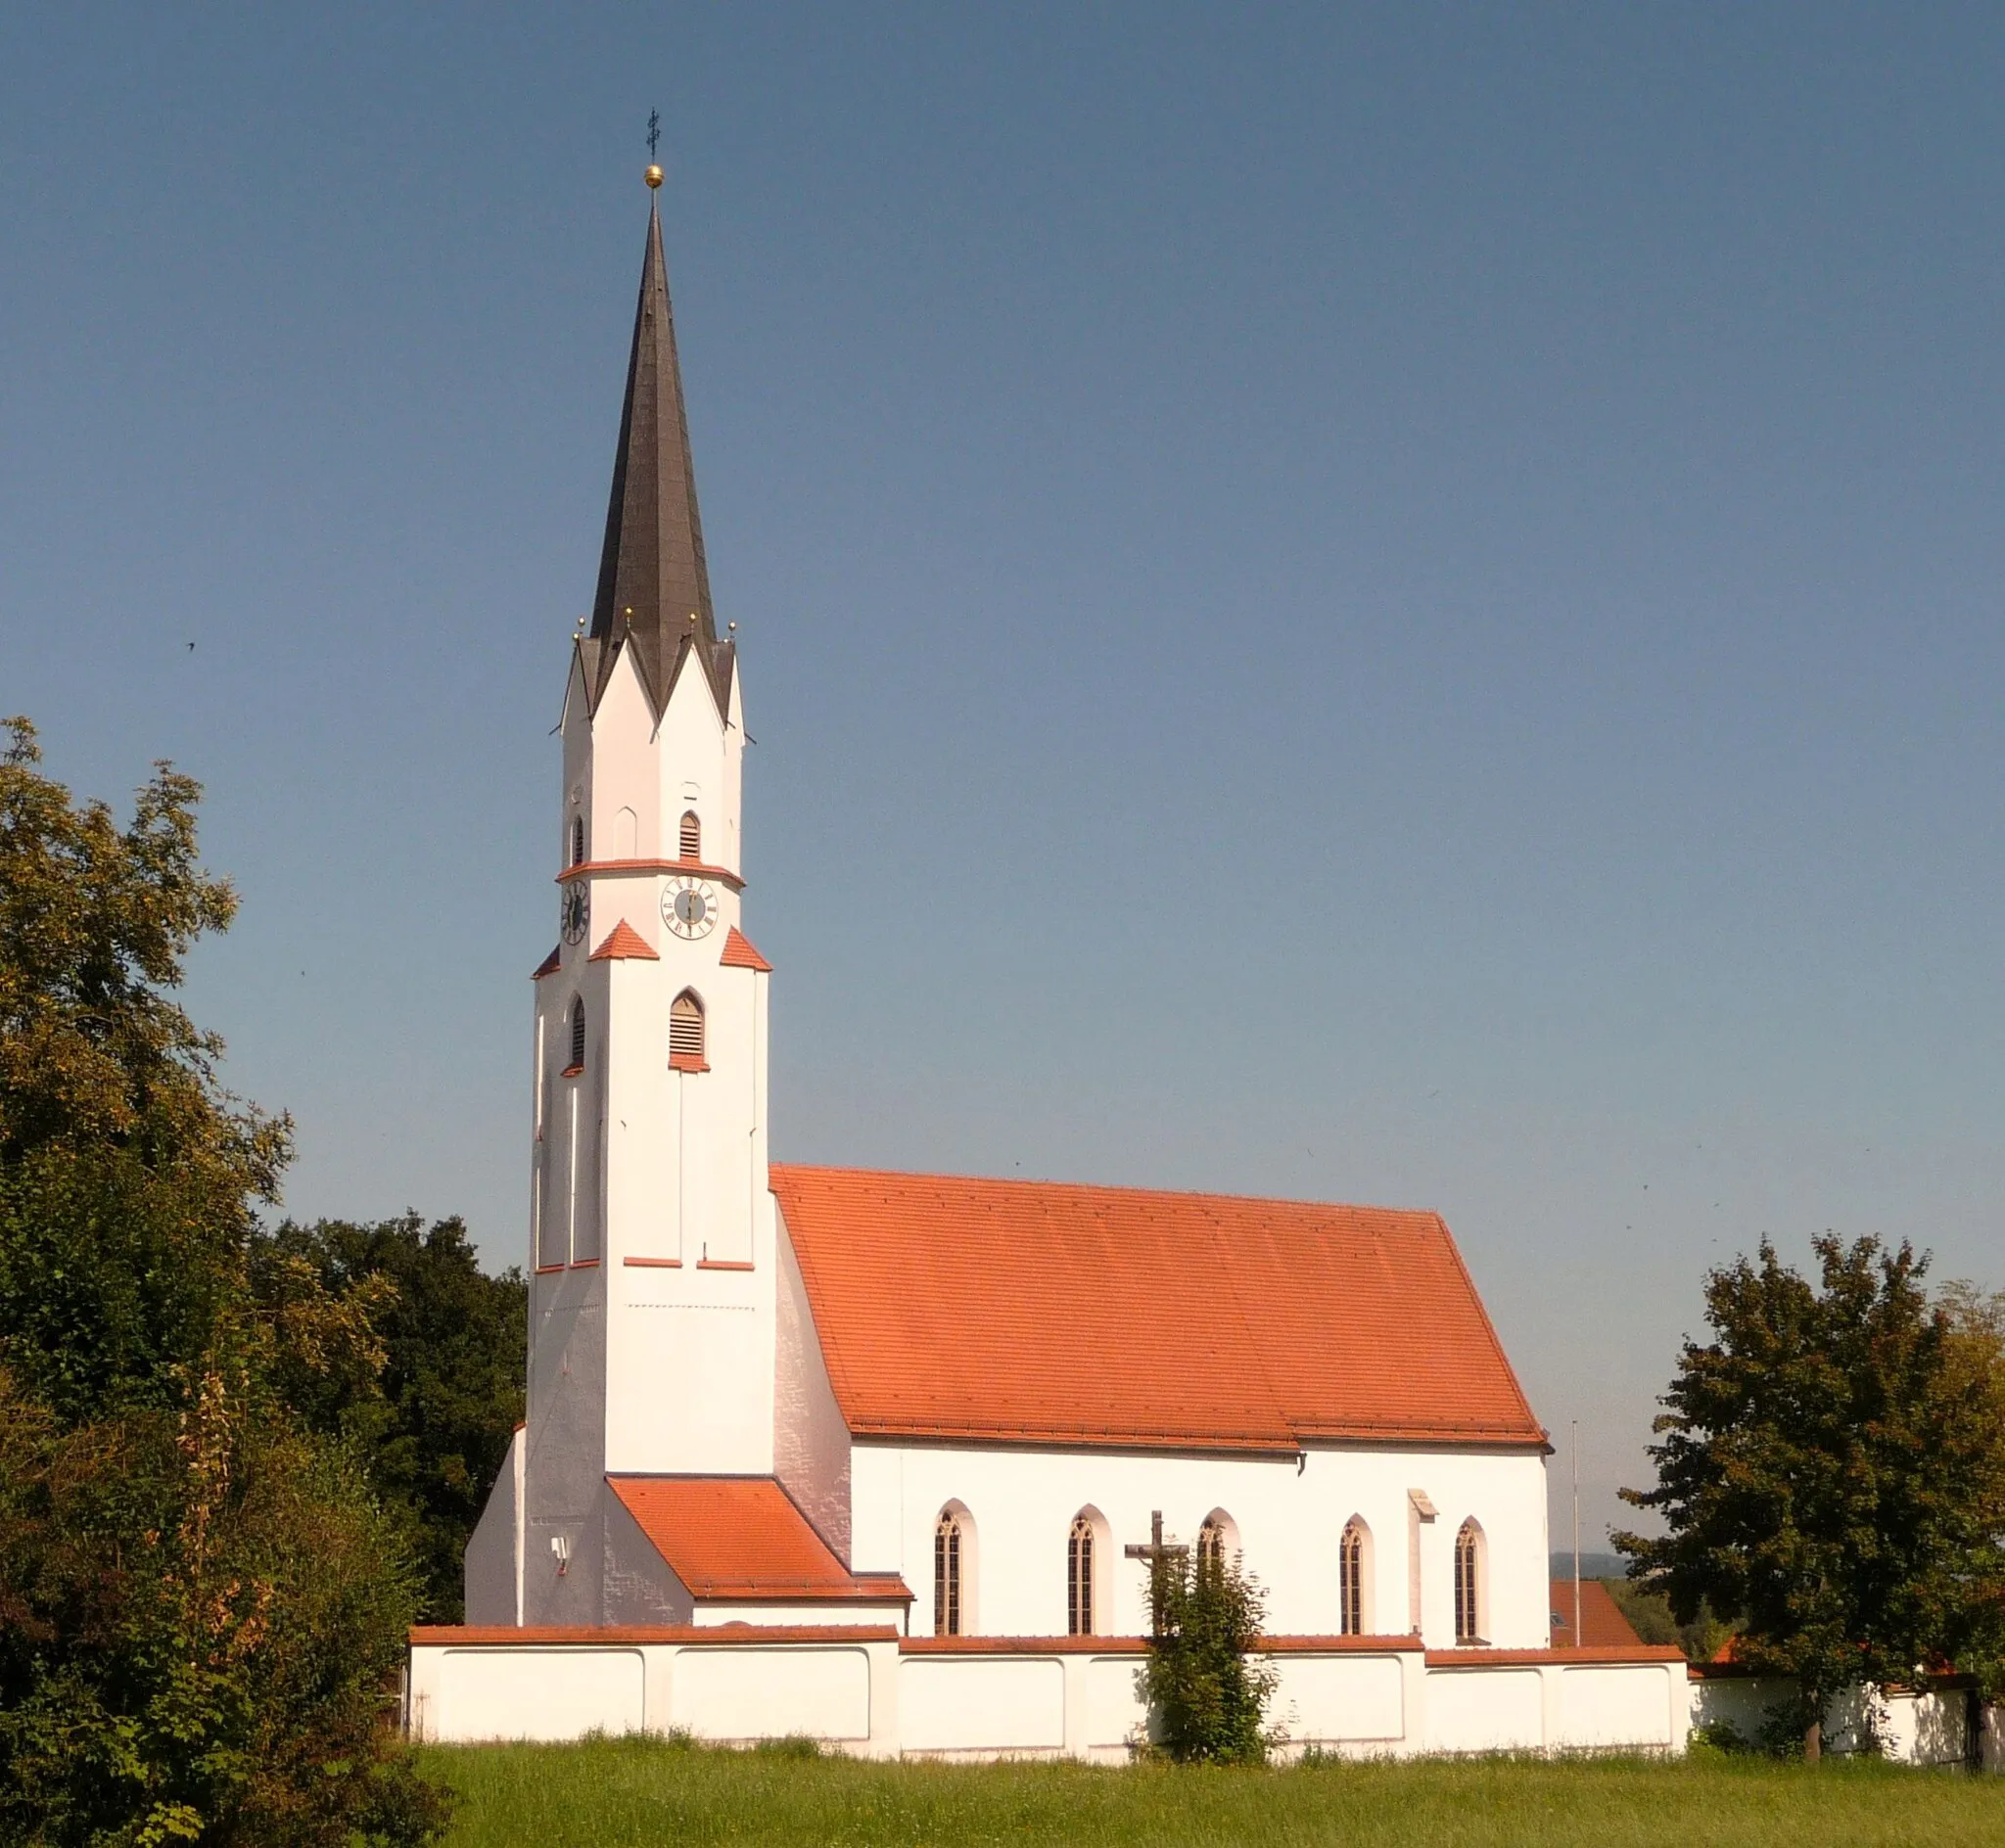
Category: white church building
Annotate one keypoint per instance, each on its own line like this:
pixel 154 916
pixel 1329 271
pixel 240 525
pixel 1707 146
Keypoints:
pixel 860 1456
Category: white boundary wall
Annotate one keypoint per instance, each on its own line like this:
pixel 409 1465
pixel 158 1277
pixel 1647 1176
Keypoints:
pixel 1914 1725
pixel 868 1691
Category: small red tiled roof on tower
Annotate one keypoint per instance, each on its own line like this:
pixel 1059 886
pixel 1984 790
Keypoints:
pixel 551 964
pixel 1042 1313
pixel 623 942
pixel 739 953
pixel 743 1538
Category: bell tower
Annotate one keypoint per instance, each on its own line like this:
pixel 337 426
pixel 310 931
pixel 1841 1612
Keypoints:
pixel 652 1230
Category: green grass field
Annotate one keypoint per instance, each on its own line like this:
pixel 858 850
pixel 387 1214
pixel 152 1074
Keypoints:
pixel 622 1793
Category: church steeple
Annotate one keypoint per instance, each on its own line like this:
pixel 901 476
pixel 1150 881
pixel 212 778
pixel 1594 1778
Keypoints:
pixel 652 576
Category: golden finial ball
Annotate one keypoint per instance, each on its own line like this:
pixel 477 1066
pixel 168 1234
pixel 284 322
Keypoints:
pixel 653 177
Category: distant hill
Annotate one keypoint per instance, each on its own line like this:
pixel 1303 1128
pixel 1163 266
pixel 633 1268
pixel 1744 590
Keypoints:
pixel 1593 1566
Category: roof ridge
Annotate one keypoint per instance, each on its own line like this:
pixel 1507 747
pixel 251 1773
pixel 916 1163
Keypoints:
pixel 1118 1189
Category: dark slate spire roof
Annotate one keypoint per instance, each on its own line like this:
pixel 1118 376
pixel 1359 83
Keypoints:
pixel 652 576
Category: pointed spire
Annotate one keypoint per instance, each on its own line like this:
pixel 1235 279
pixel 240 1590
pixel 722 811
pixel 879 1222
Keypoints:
pixel 654 589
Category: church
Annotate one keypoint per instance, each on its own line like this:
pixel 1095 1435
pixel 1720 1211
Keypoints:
pixel 780 1414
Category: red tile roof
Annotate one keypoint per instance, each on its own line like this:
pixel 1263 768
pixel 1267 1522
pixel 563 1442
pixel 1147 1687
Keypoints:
pixel 742 1538
pixel 1046 1313
pixel 1602 1623
pixel 623 942
pixel 739 953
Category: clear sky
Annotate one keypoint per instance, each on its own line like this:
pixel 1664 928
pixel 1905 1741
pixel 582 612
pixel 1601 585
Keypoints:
pixel 1398 606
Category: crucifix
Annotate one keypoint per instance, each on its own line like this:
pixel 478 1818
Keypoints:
pixel 1155 1550
pixel 1157 1555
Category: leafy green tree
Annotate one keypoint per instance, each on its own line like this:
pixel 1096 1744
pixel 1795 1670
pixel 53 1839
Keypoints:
pixel 1207 1693
pixel 434 1424
pixel 1832 1464
pixel 202 1604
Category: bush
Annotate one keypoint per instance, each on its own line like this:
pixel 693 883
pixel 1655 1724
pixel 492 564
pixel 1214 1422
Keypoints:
pixel 1206 1698
pixel 199 1627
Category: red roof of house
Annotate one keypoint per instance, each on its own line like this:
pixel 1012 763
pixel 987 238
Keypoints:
pixel 1046 1313
pixel 623 942
pixel 739 953
pixel 742 1538
pixel 1602 1623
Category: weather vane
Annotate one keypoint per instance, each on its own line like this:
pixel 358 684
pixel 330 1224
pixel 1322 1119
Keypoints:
pixel 654 136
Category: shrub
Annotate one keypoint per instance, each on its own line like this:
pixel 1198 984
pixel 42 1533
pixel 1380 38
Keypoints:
pixel 1206 1698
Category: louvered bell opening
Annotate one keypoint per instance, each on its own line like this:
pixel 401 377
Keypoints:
pixel 692 837
pixel 578 1036
pixel 686 1035
pixel 577 840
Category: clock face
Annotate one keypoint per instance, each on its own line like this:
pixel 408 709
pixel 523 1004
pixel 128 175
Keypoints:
pixel 574 910
pixel 689 908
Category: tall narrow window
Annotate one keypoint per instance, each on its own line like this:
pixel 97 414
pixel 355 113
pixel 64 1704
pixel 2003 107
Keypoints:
pixel 692 836
pixel 1468 1582
pixel 947 1575
pixel 686 1035
pixel 1218 1540
pixel 1350 1580
pixel 577 840
pixel 1079 1578
pixel 577 1035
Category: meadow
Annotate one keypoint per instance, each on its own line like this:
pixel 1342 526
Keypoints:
pixel 621 1793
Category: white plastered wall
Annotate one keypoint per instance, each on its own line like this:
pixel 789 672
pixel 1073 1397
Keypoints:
pixel 810 1441
pixel 872 1697
pixel 1289 1511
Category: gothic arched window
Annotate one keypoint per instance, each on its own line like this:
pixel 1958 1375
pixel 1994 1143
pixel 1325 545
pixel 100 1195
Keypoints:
pixel 1468 1582
pixel 686 1035
pixel 1079 1567
pixel 692 836
pixel 577 840
pixel 1350 1578
pixel 1218 1539
pixel 948 1535
pixel 577 1035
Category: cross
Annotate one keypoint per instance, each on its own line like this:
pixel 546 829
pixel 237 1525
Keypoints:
pixel 1155 1550
pixel 1157 1555
pixel 654 131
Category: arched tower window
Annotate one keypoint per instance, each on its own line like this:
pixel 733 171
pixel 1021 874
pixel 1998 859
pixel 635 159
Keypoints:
pixel 577 840
pixel 1078 1570
pixel 1468 1582
pixel 577 1035
pixel 948 1538
pixel 686 1035
pixel 1352 1557
pixel 692 836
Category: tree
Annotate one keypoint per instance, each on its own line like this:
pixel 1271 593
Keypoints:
pixel 434 1425
pixel 202 1604
pixel 1832 1465
pixel 1207 1695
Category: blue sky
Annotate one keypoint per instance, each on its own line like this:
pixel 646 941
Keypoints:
pixel 1397 605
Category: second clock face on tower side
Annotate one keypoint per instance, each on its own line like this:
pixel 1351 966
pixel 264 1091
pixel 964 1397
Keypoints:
pixel 574 912
pixel 689 908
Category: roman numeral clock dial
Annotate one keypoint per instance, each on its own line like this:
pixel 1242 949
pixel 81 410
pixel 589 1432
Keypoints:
pixel 574 910
pixel 689 908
